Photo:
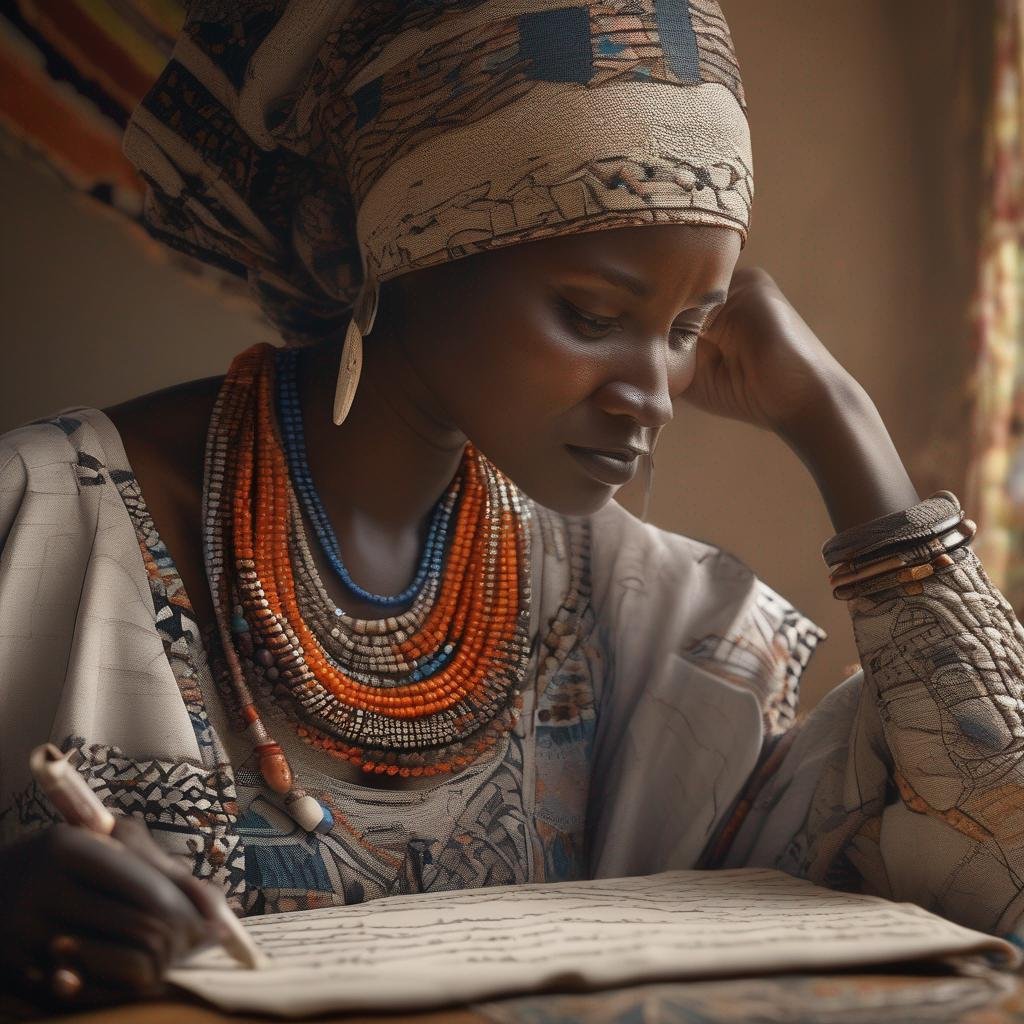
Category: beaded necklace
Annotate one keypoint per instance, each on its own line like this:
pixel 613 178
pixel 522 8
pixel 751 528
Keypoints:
pixel 421 693
pixel 290 420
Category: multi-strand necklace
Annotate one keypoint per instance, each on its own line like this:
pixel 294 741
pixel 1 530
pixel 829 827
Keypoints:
pixel 419 693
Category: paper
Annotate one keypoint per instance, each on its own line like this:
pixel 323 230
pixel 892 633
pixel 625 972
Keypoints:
pixel 429 950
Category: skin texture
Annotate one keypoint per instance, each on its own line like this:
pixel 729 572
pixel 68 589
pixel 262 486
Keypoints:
pixel 522 350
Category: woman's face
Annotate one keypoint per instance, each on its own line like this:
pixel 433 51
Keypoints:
pixel 560 358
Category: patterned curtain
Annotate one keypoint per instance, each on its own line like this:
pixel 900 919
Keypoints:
pixel 994 494
pixel 71 71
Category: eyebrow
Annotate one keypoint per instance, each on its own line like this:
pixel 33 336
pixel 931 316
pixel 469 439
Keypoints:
pixel 622 279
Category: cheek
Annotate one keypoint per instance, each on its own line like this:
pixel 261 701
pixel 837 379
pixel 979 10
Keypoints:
pixel 519 370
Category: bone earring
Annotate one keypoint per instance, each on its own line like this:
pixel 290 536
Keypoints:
pixel 364 312
pixel 348 372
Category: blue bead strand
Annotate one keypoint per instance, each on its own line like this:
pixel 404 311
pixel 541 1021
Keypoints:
pixel 293 440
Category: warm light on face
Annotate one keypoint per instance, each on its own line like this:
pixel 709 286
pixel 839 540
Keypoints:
pixel 569 344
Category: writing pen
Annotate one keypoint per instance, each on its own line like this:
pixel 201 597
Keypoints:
pixel 78 804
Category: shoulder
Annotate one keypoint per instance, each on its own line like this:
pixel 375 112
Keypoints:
pixel 625 551
pixel 55 454
pixel 161 420
pixel 659 591
pixel 164 433
pixel 167 413
pixel 160 435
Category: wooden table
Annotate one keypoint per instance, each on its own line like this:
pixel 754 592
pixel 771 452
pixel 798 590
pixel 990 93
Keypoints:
pixel 924 995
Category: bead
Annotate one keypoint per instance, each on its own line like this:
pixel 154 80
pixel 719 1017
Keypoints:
pixel 307 811
pixel 274 768
pixel 326 822
pixel 436 675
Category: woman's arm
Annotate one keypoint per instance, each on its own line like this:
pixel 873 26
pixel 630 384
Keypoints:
pixel 112 913
pixel 908 780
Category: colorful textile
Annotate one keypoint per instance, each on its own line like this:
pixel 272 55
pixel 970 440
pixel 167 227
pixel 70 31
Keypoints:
pixel 71 72
pixel 995 478
pixel 100 652
pixel 324 148
pixel 657 728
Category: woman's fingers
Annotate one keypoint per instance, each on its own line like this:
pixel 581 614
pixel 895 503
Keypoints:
pixel 206 898
pixel 111 913
pixel 103 964
pixel 110 867
pixel 88 912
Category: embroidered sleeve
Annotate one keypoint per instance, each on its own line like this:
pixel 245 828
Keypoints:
pixel 906 781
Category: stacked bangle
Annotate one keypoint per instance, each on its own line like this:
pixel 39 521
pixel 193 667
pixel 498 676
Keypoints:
pixel 899 549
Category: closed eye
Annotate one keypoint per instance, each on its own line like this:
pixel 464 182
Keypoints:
pixel 592 327
pixel 588 326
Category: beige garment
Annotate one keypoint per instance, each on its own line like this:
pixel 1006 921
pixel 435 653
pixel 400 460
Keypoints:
pixel 658 729
pixel 653 687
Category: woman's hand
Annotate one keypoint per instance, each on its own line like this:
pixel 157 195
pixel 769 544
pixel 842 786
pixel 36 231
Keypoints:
pixel 757 361
pixel 116 912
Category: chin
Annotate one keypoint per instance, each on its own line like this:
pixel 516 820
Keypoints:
pixel 570 498
pixel 583 504
pixel 558 484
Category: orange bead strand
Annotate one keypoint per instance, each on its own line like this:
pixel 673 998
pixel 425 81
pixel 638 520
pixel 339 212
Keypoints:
pixel 428 691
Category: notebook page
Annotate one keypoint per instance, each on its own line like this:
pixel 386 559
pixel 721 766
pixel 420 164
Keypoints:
pixel 405 952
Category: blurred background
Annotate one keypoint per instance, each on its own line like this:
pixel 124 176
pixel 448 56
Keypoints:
pixel 887 142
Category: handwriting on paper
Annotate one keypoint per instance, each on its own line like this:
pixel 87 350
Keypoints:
pixel 434 949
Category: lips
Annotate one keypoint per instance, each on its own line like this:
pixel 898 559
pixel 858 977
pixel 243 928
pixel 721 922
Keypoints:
pixel 607 465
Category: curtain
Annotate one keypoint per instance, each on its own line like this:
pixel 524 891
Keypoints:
pixel 71 71
pixel 994 493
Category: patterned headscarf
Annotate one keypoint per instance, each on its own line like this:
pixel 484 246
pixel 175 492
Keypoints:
pixel 322 147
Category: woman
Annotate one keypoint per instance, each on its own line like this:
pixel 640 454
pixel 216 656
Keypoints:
pixel 361 618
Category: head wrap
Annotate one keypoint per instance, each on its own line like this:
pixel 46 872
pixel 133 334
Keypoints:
pixel 322 147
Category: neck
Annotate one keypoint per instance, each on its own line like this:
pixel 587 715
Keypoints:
pixel 394 455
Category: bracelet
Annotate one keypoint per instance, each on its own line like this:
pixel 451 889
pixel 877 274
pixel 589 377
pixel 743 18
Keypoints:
pixel 899 549
pixel 916 554
pixel 909 579
pixel 893 532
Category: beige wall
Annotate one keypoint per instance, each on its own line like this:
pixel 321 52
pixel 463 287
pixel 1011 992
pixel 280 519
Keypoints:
pixel 864 122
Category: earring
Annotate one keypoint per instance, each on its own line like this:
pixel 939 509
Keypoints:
pixel 648 484
pixel 348 372
pixel 364 312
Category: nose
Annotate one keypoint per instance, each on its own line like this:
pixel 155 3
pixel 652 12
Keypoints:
pixel 644 383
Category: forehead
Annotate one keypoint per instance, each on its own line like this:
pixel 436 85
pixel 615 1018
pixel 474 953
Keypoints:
pixel 686 259
pixel 646 242
pixel 639 259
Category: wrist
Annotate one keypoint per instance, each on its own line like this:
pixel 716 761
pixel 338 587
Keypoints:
pixel 845 445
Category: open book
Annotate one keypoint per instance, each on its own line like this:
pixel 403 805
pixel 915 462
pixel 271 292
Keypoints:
pixel 406 952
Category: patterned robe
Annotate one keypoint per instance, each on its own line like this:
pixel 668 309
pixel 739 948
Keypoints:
pixel 658 729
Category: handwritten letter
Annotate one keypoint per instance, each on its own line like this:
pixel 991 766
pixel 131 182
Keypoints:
pixel 428 950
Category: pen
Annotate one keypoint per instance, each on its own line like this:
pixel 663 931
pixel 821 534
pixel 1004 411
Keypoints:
pixel 78 804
